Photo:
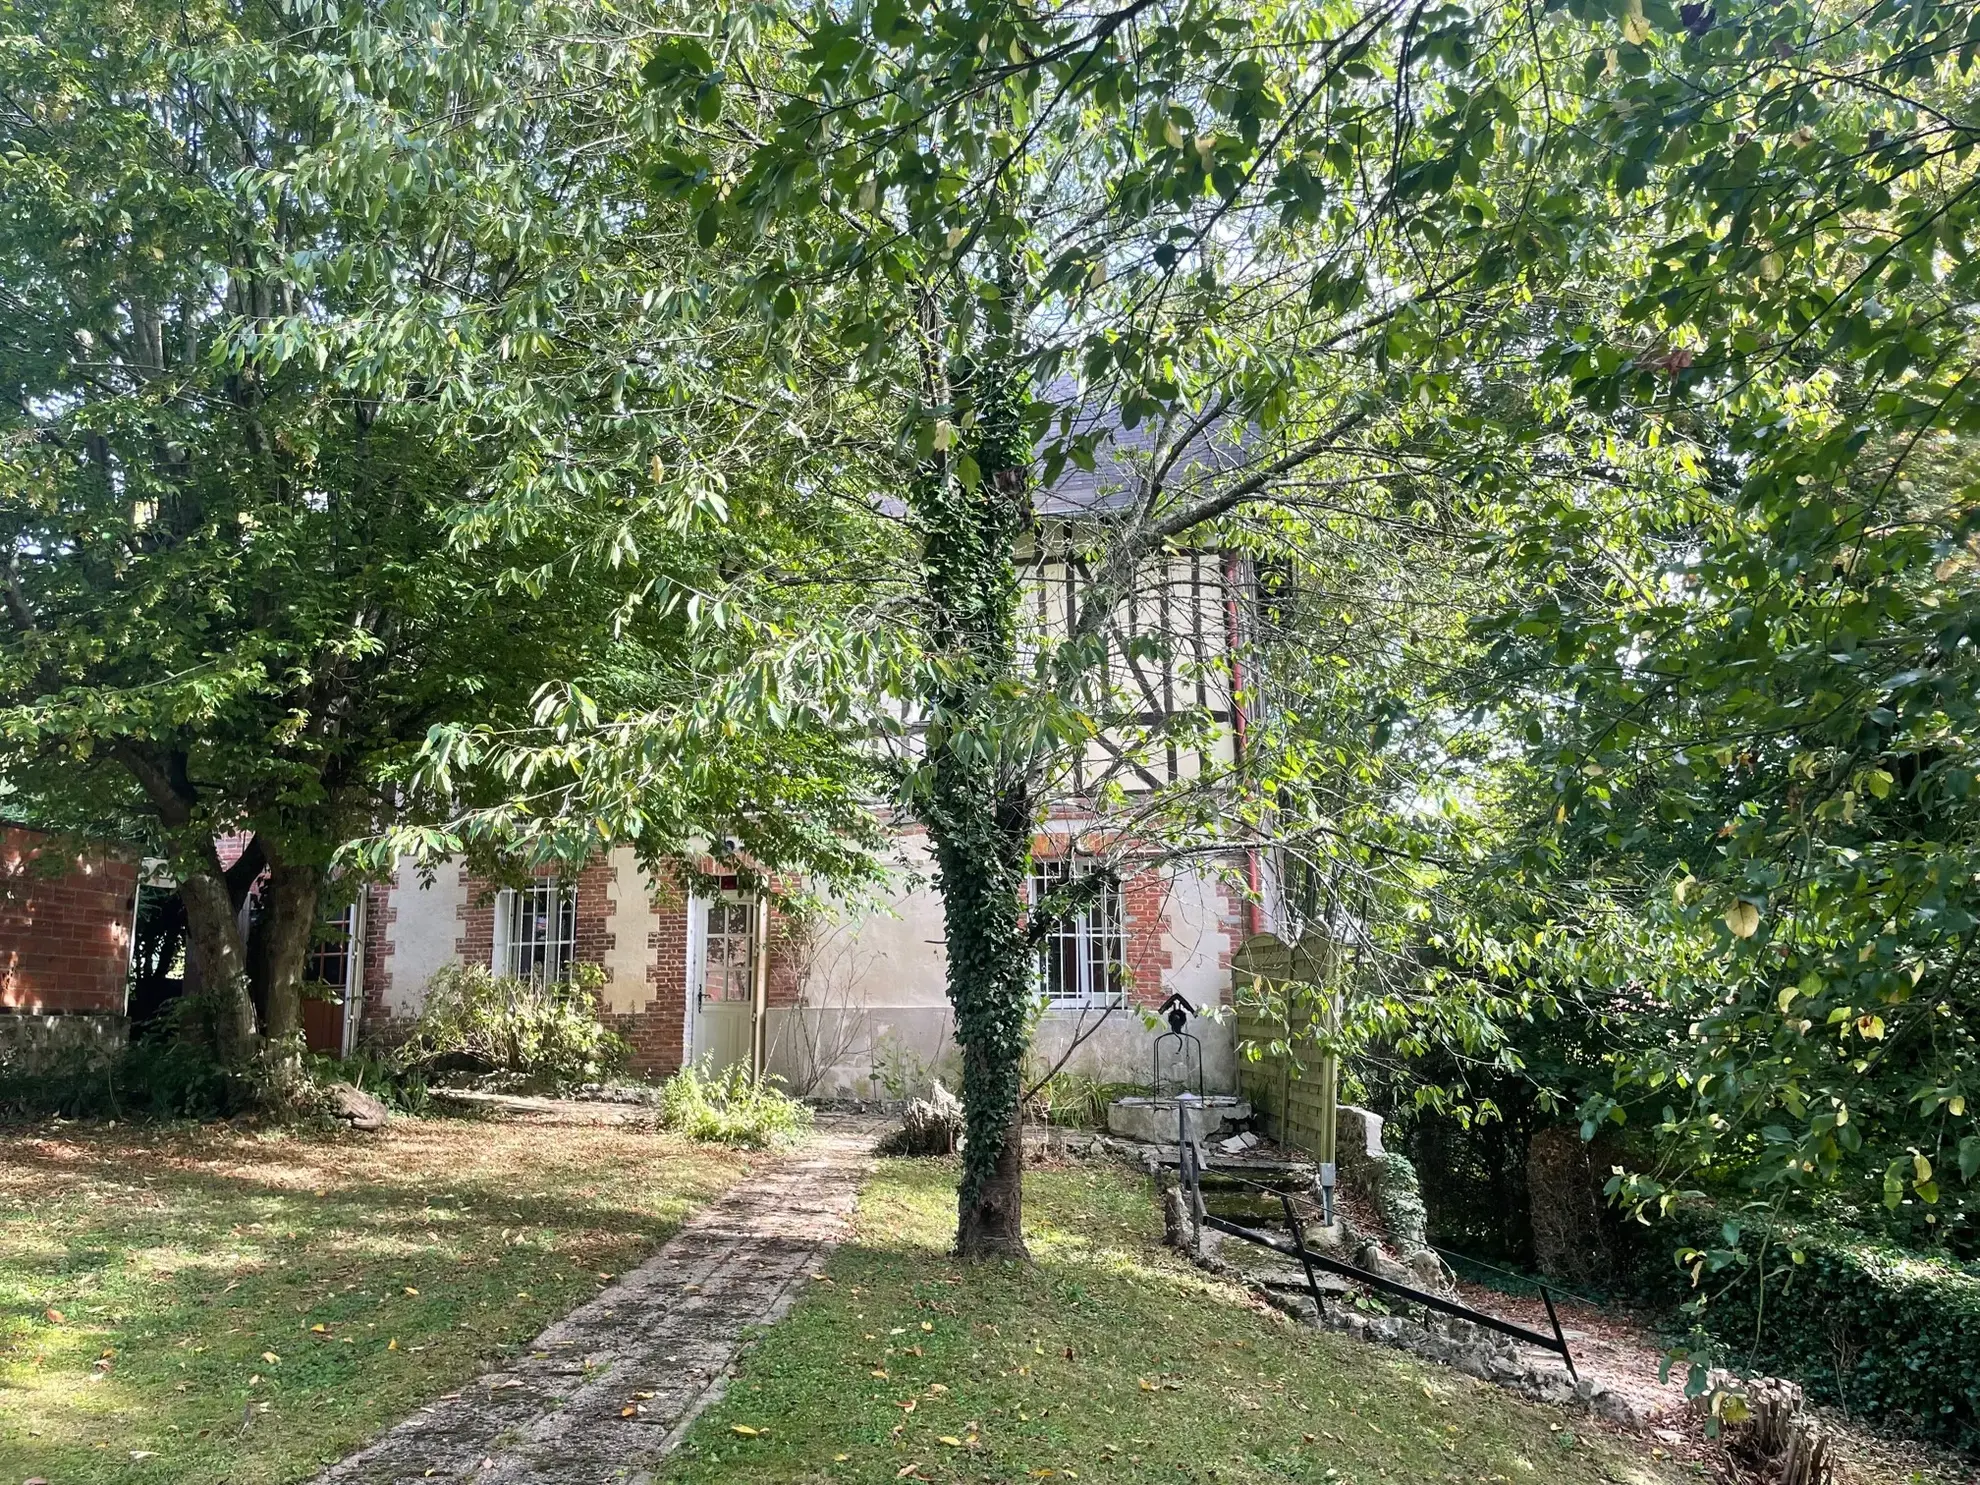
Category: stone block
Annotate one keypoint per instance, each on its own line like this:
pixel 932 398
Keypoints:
pixel 1152 1121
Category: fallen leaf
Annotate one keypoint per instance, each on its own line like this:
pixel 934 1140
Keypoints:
pixel 411 1290
pixel 744 1429
pixel 927 1325
pixel 271 1358
pixel 907 1469
pixel 53 1317
pixel 880 1374
pixel 319 1330
pixel 630 1411
pixel 393 1345
pixel 840 1458
pixel 951 1440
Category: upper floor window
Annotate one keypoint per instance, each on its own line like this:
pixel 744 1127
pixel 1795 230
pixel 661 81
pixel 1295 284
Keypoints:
pixel 728 949
pixel 1082 961
pixel 536 931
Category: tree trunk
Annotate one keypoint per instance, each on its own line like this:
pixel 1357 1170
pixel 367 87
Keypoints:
pixel 990 1221
pixel 977 798
pixel 288 921
pixel 216 964
pixel 982 840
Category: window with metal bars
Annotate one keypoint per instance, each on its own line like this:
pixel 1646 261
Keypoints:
pixel 1082 960
pixel 536 932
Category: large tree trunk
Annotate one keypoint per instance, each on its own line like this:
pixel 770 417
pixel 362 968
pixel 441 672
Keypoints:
pixel 978 801
pixel 990 1219
pixel 982 840
pixel 216 963
pixel 287 923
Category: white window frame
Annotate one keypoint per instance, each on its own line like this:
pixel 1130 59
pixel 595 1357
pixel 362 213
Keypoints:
pixel 734 908
pixel 344 920
pixel 1095 937
pixel 536 932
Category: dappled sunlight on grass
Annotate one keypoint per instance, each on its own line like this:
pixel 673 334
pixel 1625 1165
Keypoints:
pixel 1105 1359
pixel 202 1304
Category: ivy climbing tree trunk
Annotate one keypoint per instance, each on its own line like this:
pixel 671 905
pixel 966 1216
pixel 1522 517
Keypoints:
pixel 977 798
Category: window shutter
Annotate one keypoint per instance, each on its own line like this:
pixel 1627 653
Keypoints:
pixel 505 918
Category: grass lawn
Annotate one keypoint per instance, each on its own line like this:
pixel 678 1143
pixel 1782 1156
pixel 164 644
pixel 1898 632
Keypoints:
pixel 198 1305
pixel 1108 1361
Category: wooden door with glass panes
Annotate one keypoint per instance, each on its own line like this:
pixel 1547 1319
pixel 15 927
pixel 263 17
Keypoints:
pixel 726 979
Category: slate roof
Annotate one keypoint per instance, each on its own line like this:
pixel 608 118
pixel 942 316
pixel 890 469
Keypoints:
pixel 1121 468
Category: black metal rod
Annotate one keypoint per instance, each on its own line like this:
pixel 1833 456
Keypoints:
pixel 1554 1320
pixel 1555 1343
pixel 1298 1230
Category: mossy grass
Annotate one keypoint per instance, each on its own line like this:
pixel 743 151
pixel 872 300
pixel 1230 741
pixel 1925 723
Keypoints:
pixel 1104 1360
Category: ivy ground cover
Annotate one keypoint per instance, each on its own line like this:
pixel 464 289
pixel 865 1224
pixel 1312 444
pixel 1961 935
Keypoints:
pixel 199 1304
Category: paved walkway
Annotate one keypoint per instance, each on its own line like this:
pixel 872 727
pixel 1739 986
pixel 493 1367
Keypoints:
pixel 606 1392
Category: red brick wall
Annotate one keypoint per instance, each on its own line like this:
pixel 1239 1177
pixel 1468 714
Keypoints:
pixel 657 1031
pixel 1144 904
pixel 65 940
pixel 380 911
pixel 785 985
pixel 476 941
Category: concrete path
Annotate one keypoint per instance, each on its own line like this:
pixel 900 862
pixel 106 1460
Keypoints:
pixel 602 1395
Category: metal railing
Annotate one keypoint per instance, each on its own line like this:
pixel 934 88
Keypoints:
pixel 1190 1165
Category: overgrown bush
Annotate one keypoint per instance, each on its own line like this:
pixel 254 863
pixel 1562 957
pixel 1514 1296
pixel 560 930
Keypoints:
pixel 168 1072
pixel 1075 1101
pixel 1889 1335
pixel 538 1035
pixel 730 1108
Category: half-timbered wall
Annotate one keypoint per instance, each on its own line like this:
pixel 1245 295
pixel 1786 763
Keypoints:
pixel 1182 610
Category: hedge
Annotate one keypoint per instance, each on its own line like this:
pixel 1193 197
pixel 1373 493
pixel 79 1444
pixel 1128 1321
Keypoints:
pixel 1890 1335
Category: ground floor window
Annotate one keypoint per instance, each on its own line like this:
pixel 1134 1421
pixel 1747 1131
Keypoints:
pixel 1082 960
pixel 329 961
pixel 536 931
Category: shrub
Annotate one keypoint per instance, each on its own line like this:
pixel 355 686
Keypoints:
pixel 1888 1334
pixel 545 1035
pixel 730 1108
pixel 1075 1101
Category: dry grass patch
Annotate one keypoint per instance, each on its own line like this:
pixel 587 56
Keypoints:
pixel 204 1304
